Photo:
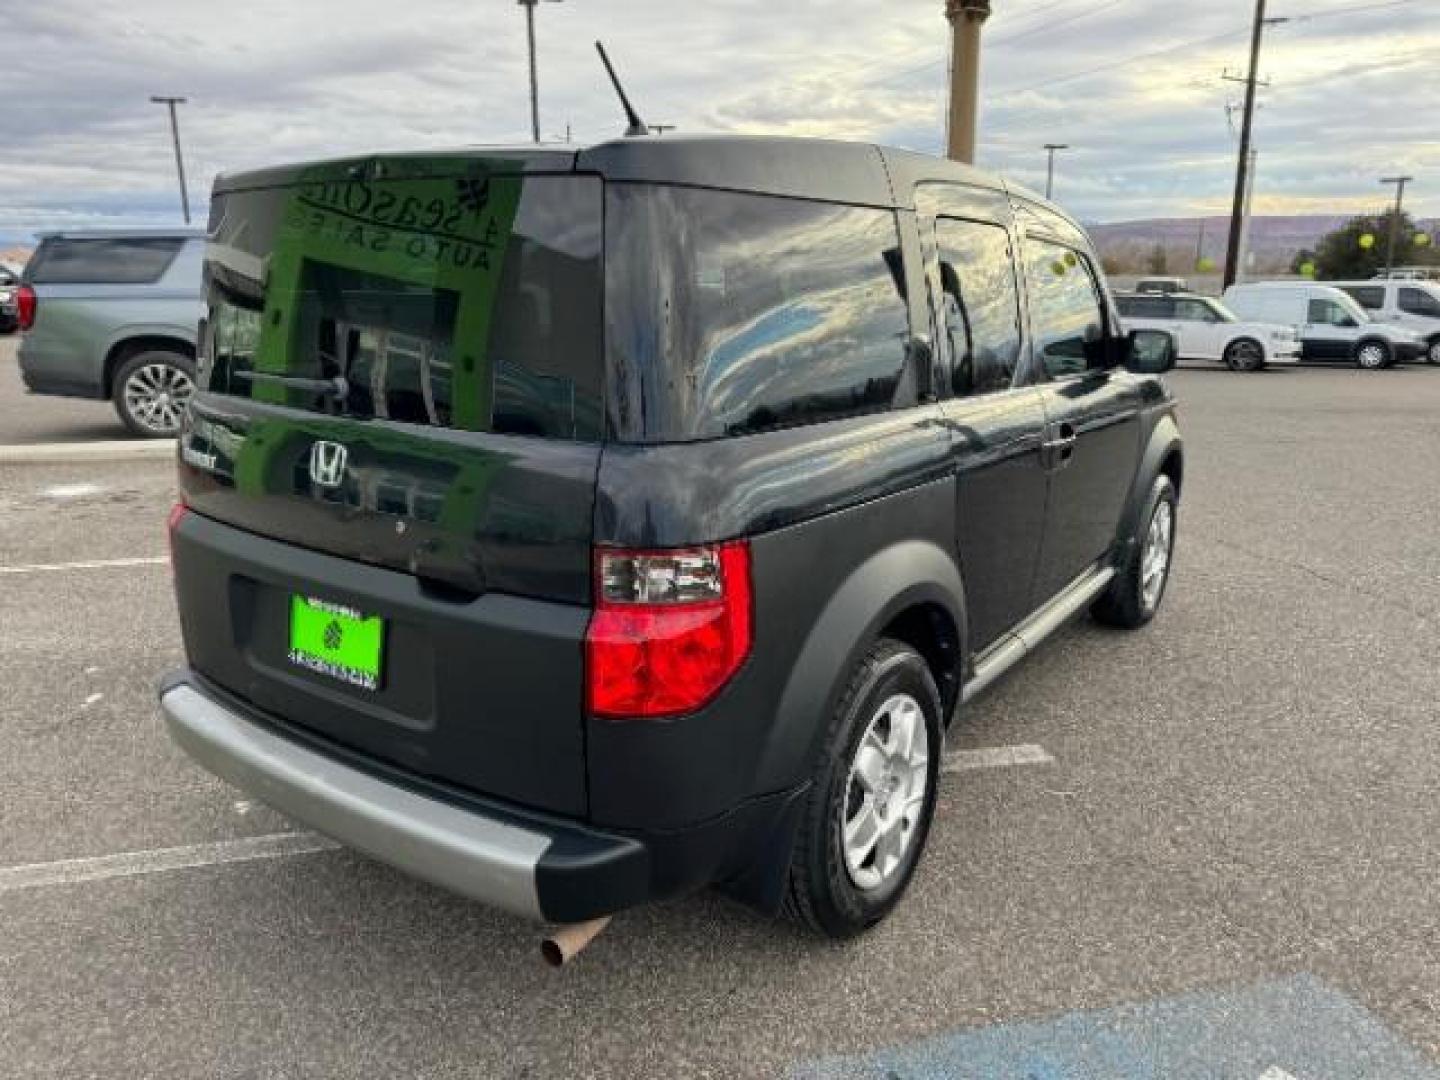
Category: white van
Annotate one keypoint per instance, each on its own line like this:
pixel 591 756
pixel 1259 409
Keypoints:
pixel 1413 304
pixel 1333 328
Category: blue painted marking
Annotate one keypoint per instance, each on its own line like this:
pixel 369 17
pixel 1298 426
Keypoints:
pixel 1297 1025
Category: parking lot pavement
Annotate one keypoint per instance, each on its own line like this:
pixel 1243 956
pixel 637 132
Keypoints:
pixel 1233 837
pixel 32 418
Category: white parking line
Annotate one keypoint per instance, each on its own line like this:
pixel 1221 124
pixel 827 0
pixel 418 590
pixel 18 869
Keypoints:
pixel 995 757
pixel 106 451
pixel 135 863
pixel 85 564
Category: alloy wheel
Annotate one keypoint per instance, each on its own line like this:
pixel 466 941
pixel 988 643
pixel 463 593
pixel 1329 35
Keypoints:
pixel 1372 356
pixel 156 395
pixel 1155 560
pixel 886 791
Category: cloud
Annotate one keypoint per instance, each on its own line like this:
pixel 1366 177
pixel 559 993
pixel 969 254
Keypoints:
pixel 1133 85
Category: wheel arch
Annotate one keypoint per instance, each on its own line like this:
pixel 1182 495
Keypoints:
pixel 910 590
pixel 131 343
pixel 1164 454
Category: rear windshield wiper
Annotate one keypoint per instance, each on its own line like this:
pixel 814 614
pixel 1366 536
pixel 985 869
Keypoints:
pixel 337 387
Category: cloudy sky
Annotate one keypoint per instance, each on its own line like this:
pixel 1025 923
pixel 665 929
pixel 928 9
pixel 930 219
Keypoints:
pixel 1134 85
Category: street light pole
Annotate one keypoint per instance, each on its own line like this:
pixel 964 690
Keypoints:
pixel 529 6
pixel 1399 182
pixel 171 102
pixel 966 17
pixel 1050 148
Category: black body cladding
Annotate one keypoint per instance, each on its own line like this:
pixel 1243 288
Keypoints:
pixel 913 445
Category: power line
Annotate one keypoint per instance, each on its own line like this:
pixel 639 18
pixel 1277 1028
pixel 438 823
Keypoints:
pixel 1056 23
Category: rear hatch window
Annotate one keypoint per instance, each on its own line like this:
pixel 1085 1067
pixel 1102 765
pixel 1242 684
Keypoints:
pixel 466 301
pixel 109 261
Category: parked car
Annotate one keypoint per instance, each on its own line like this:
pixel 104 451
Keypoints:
pixel 1333 328
pixel 1408 302
pixel 1162 285
pixel 114 314
pixel 9 304
pixel 575 529
pixel 1205 329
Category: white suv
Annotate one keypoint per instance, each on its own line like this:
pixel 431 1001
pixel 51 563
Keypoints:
pixel 1411 303
pixel 1206 329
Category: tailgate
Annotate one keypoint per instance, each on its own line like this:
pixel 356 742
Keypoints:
pixel 399 419
pixel 484 694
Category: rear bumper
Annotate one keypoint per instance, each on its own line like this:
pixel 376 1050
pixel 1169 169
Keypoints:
pixel 535 865
pixel 529 866
pixel 37 371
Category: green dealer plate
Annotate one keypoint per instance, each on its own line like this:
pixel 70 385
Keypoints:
pixel 337 641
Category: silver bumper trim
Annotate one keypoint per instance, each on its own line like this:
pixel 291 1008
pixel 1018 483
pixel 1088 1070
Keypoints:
pixel 490 861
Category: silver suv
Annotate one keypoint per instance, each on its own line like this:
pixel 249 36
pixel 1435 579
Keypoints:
pixel 111 314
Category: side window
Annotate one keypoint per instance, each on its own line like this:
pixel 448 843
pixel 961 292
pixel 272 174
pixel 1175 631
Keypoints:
pixel 1195 311
pixel 981 305
pixel 1328 313
pixel 120 261
pixel 733 313
pixel 1419 302
pixel 1066 318
pixel 1368 296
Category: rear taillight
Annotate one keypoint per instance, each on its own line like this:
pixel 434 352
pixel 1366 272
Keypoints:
pixel 25 304
pixel 669 630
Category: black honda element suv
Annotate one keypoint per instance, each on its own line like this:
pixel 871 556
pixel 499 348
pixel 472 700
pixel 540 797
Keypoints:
pixel 578 528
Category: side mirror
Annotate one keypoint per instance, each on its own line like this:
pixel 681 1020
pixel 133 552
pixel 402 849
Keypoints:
pixel 1150 352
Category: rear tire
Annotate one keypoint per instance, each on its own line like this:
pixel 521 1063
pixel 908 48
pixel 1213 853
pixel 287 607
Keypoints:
pixel 1244 354
pixel 1433 353
pixel 876 777
pixel 1372 355
pixel 152 391
pixel 1138 587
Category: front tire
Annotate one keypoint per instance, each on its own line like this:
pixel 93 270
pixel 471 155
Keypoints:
pixel 1372 355
pixel 1244 354
pixel 152 391
pixel 1138 587
pixel 868 814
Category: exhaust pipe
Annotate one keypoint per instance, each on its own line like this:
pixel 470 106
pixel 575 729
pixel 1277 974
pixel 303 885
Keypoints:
pixel 564 943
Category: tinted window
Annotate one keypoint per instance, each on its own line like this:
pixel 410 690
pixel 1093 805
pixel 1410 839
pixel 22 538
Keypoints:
pixel 1066 319
pixel 730 313
pixel 1196 311
pixel 112 261
pixel 1145 307
pixel 981 304
pixel 1420 302
pixel 1372 297
pixel 419 303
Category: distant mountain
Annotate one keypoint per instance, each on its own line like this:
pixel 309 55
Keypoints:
pixel 1273 238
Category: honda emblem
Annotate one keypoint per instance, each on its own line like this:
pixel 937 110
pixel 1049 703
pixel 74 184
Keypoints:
pixel 327 464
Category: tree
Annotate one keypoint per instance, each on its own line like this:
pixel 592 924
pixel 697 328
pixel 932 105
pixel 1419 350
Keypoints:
pixel 1357 249
pixel 1158 262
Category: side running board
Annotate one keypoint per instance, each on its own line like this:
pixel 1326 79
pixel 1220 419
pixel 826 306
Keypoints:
pixel 1025 638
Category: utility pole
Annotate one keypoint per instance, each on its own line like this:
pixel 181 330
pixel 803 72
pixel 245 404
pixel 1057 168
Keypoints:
pixel 1243 255
pixel 1232 251
pixel 966 17
pixel 1050 148
pixel 1399 182
pixel 529 6
pixel 160 99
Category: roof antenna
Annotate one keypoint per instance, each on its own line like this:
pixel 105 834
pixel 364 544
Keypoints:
pixel 637 126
